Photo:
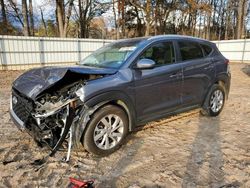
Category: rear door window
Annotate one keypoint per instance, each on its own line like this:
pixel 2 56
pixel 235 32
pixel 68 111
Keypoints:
pixel 190 50
pixel 207 49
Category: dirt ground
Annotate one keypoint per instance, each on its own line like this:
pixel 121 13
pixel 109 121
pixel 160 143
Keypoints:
pixel 187 150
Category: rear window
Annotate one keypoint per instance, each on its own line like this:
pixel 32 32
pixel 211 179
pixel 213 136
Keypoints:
pixel 190 50
pixel 207 49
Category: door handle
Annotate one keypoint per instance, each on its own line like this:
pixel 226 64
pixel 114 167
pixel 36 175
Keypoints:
pixel 209 67
pixel 178 74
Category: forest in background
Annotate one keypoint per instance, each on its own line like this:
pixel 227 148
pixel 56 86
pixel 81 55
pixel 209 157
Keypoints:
pixel 116 19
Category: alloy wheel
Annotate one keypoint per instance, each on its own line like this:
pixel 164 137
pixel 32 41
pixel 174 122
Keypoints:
pixel 108 132
pixel 216 101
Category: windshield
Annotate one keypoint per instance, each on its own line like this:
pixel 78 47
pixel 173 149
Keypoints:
pixel 111 56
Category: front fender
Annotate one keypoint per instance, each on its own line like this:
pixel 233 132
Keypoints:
pixel 93 104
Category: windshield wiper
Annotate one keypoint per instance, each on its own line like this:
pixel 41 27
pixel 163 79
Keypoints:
pixel 89 65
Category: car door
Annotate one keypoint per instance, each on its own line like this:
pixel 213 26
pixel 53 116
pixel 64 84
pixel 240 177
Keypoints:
pixel 158 90
pixel 198 72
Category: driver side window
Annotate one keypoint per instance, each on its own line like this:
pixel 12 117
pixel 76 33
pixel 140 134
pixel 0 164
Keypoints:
pixel 162 53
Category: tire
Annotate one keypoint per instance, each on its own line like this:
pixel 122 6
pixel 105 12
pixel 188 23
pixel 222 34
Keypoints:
pixel 214 101
pixel 102 137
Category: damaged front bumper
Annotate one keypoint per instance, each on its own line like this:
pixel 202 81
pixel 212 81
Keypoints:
pixel 17 121
pixel 38 134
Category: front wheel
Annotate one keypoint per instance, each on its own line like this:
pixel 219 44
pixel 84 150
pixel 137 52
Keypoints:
pixel 214 102
pixel 106 130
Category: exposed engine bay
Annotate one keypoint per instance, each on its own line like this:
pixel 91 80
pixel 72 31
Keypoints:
pixel 51 112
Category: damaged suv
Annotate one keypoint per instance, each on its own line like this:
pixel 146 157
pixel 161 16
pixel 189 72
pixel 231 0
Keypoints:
pixel 117 88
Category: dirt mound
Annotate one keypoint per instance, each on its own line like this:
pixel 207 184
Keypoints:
pixel 246 70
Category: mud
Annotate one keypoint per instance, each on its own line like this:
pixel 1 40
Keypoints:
pixel 187 150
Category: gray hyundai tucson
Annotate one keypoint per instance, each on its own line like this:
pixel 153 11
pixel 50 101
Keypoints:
pixel 119 87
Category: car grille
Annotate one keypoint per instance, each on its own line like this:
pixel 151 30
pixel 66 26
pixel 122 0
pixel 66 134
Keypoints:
pixel 22 107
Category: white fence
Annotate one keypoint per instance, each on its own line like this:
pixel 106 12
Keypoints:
pixel 18 53
pixel 235 50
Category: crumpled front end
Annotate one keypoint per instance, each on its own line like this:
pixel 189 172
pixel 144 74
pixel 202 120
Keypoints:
pixel 49 117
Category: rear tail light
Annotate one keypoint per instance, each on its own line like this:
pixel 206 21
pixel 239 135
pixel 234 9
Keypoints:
pixel 227 65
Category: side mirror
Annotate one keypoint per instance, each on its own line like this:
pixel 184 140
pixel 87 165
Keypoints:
pixel 145 64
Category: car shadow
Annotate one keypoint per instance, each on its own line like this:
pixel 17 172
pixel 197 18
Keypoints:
pixel 111 179
pixel 205 163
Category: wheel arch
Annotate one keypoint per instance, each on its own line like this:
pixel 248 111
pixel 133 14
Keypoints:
pixel 224 81
pixel 117 98
pixel 92 105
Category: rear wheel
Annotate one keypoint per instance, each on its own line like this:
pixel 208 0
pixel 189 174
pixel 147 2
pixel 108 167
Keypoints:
pixel 106 130
pixel 214 102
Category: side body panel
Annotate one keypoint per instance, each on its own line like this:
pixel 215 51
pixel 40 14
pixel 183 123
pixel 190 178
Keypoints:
pixel 198 75
pixel 157 91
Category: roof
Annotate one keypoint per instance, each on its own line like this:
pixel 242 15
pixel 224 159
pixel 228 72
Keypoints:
pixel 176 37
pixel 158 37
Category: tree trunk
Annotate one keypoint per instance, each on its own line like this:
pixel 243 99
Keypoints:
pixel 123 19
pixel 5 21
pixel 66 21
pixel 3 12
pixel 156 16
pixel 26 31
pixel 31 18
pixel 60 13
pixel 208 33
pixel 63 20
pixel 199 30
pixel 114 12
pixel 245 14
pixel 240 19
pixel 148 9
pixel 139 30
pixel 209 26
pixel 15 9
pixel 228 12
pixel 80 19
pixel 44 24
pixel 234 25
pixel 194 23
pixel 85 12
pixel 204 26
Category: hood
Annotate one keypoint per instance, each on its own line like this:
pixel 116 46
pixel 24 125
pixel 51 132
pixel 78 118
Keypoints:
pixel 35 81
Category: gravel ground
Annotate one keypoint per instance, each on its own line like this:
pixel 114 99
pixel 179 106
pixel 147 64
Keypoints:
pixel 187 150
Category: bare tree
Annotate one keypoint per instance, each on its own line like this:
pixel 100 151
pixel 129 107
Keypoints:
pixel 3 12
pixel 85 15
pixel 17 12
pixel 44 23
pixel 4 24
pixel 32 30
pixel 63 20
pixel 60 16
pixel 239 18
pixel 116 23
pixel 26 30
pixel 148 17
pixel 81 24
